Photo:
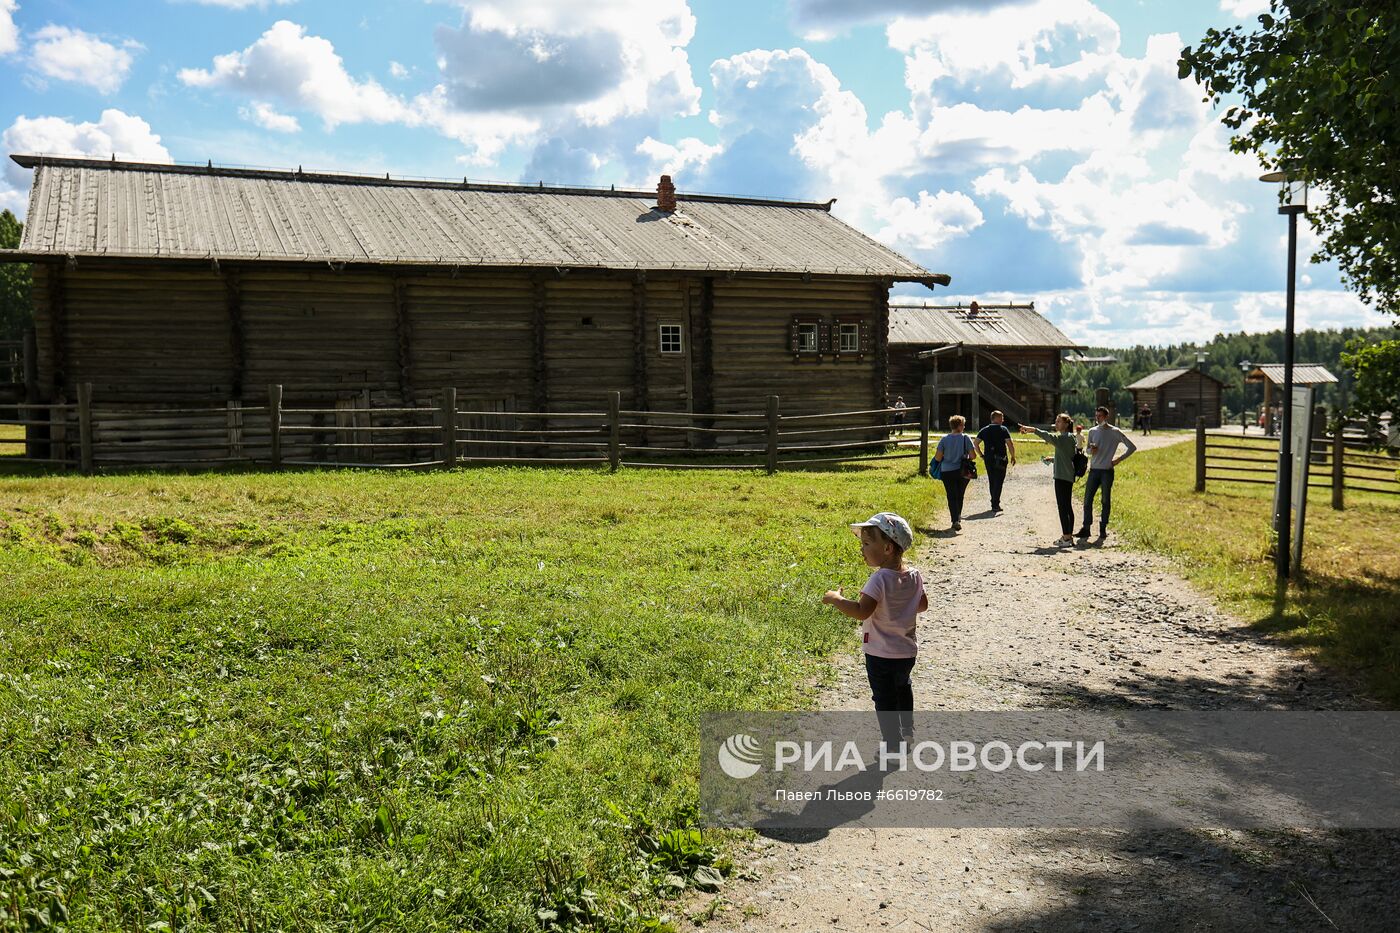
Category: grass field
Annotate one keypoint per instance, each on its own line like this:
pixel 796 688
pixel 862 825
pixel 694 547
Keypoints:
pixel 1346 608
pixel 427 701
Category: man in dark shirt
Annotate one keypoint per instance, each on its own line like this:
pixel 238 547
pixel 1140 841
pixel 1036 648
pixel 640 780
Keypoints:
pixel 999 450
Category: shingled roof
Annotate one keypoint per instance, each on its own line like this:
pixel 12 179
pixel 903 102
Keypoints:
pixel 82 207
pixel 1162 376
pixel 1009 325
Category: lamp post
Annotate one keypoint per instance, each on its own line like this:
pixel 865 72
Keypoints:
pixel 1294 201
pixel 1200 384
pixel 1245 367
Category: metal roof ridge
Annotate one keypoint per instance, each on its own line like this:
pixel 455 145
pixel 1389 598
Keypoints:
pixel 30 160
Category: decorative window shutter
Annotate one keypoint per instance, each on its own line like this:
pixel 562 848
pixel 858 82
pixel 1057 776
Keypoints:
pixel 793 337
pixel 824 336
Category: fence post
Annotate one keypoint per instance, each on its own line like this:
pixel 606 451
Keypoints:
pixel 614 431
pixel 85 426
pixel 925 415
pixel 274 422
pixel 449 427
pixel 1201 453
pixel 771 439
pixel 1338 477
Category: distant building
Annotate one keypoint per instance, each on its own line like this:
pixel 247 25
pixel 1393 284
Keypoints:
pixel 978 358
pixel 1082 360
pixel 1178 396
pixel 1271 375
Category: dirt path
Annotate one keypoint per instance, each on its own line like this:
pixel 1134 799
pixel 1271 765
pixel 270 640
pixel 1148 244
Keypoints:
pixel 1021 641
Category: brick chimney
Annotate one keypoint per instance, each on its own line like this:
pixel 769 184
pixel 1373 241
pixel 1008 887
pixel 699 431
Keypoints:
pixel 665 195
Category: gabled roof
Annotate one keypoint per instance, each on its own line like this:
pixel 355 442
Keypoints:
pixel 1162 376
pixel 1010 325
pixel 83 207
pixel 1304 374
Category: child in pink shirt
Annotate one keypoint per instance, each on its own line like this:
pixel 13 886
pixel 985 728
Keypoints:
pixel 888 610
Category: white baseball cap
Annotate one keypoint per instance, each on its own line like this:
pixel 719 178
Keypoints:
pixel 894 527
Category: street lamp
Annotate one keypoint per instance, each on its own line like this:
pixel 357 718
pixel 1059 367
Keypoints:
pixel 1293 201
pixel 1200 384
pixel 1245 367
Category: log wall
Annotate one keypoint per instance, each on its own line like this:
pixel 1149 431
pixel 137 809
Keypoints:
pixel 507 340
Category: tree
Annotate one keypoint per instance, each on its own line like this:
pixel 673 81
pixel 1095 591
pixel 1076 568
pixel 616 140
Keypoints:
pixel 1316 87
pixel 1375 370
pixel 16 307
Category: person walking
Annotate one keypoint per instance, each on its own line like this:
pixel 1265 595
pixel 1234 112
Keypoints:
pixel 1065 444
pixel 997 450
pixel 954 455
pixel 1104 441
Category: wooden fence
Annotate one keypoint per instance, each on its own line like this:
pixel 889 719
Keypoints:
pixel 1338 462
pixel 89 436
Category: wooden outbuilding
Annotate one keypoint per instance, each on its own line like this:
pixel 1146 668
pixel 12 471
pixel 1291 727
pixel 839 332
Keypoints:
pixel 979 358
pixel 1271 375
pixel 1177 397
pixel 169 285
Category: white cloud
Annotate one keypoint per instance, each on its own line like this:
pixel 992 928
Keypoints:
pixel 9 32
pixel 1242 9
pixel 929 222
pixel 398 71
pixel 124 135
pixel 73 55
pixel 263 114
pixel 688 157
pixel 288 65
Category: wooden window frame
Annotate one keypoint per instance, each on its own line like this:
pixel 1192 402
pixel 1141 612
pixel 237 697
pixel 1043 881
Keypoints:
pixel 863 335
pixel 795 328
pixel 661 328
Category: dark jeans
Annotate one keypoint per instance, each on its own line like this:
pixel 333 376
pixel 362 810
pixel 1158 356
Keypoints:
pixel 1064 498
pixel 1098 479
pixel 996 476
pixel 955 486
pixel 893 692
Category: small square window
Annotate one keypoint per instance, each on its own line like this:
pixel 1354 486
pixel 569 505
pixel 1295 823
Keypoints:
pixel 807 338
pixel 671 338
pixel 850 338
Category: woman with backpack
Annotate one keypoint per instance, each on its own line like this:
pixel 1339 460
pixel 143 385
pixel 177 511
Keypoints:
pixel 1064 441
pixel 955 459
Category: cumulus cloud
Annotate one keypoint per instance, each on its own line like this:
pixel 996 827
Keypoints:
pixel 288 65
pixel 1244 8
pixel 73 55
pixel 263 114
pixel 398 70
pixel 116 133
pixel 930 221
pixel 9 32
pixel 491 70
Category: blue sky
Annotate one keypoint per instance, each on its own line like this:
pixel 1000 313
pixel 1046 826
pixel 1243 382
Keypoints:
pixel 1033 149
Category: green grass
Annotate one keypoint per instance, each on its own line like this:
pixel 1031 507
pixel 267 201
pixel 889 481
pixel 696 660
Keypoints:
pixel 1345 610
pixel 424 701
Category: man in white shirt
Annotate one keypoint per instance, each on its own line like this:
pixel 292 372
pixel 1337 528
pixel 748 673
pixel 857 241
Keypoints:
pixel 1104 441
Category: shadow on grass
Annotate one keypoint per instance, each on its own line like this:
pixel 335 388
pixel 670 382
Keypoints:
pixel 1351 624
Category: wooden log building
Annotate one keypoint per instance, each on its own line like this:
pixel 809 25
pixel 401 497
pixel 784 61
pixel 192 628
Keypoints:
pixel 1177 397
pixel 179 285
pixel 978 358
pixel 1271 376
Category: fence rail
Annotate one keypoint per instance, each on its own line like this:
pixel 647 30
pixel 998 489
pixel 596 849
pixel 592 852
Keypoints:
pixel 90 435
pixel 1337 462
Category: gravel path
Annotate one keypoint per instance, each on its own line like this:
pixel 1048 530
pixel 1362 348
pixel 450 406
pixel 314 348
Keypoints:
pixel 1023 641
